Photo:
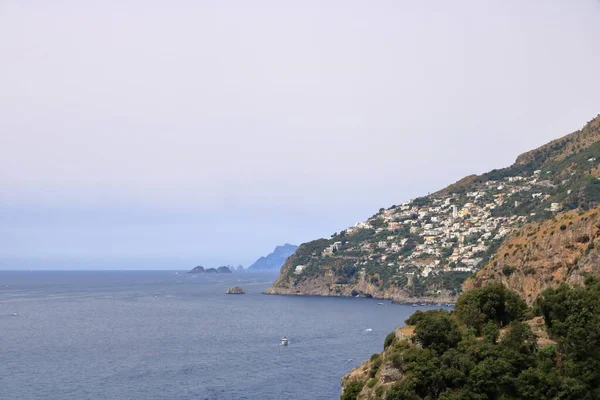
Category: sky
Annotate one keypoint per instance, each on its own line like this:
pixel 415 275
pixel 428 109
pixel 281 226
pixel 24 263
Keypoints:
pixel 141 134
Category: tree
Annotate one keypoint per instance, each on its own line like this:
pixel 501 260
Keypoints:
pixel 493 302
pixel 437 331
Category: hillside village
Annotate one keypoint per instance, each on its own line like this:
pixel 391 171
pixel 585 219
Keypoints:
pixel 452 233
pixel 429 246
pixel 429 236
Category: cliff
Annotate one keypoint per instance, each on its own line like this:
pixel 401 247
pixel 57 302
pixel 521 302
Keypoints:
pixel 327 281
pixel 564 249
pixel 424 249
pixel 274 260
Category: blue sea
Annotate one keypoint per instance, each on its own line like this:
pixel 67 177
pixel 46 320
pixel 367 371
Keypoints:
pixel 171 335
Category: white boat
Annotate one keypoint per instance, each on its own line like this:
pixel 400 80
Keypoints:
pixel 379 304
pixel 284 341
pixel 15 314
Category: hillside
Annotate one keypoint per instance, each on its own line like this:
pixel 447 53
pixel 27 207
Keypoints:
pixel 425 248
pixel 274 261
pixel 491 347
pixel 563 249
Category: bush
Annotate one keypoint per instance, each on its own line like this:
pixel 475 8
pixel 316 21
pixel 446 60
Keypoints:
pixel 401 391
pixel 437 331
pixel 372 382
pixel 507 270
pixel 389 339
pixel 375 365
pixel 414 318
pixel 352 390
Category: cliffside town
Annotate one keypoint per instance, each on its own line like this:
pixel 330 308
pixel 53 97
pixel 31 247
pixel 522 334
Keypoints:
pixel 427 247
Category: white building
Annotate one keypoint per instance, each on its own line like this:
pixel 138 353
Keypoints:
pixel 299 269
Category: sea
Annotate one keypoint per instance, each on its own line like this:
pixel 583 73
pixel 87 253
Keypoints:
pixel 172 335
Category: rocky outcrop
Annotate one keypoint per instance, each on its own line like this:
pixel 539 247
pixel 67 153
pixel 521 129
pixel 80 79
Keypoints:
pixel 235 290
pixel 328 285
pixel 379 369
pixel 541 255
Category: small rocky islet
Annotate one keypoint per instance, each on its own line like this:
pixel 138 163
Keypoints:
pixel 235 290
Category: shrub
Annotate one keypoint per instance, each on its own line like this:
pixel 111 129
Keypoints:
pixel 375 365
pixel 507 270
pixel 437 331
pixel 389 339
pixel 352 390
pixel 414 318
pixel 563 227
pixel 372 382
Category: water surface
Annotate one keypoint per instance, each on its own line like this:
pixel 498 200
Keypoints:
pixel 166 335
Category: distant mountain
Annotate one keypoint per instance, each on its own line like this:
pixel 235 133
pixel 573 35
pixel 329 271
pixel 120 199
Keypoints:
pixel 275 260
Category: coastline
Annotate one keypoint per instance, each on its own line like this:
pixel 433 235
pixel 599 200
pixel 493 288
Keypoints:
pixel 397 299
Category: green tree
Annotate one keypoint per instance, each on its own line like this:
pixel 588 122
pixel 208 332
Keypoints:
pixel 493 302
pixel 437 331
pixel 352 390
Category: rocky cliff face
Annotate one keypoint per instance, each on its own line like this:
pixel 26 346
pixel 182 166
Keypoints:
pixel 328 283
pixel 379 369
pixel 563 249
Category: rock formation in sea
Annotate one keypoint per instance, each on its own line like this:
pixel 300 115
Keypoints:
pixel 235 290
pixel 201 270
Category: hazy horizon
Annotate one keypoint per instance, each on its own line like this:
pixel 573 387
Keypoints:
pixel 165 136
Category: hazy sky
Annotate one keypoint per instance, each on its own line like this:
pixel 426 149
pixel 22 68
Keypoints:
pixel 166 134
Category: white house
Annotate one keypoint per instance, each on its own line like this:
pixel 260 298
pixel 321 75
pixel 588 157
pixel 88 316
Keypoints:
pixel 299 269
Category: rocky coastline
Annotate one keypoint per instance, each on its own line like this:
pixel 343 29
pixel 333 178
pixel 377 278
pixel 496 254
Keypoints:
pixel 327 288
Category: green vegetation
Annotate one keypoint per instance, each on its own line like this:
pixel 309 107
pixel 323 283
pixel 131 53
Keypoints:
pixel 352 390
pixel 484 350
pixel 394 248
pixel 507 270
pixel 493 303
pixel 389 339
